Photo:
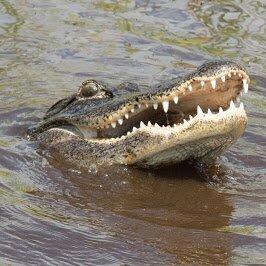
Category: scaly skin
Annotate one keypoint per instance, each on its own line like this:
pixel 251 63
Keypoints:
pixel 85 127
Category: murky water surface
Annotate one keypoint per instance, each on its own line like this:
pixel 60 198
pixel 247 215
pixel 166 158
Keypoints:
pixel 54 215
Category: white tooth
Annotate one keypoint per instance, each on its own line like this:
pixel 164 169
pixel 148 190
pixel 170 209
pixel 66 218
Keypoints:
pixel 220 110
pixel 237 99
pixel 246 88
pixel 213 82
pixel 155 106
pixel 113 124
pixel 149 124
pixel 132 110
pixel 126 115
pixel 190 87
pixel 176 99
pixel 134 129
pixel 209 112
pixel 223 78
pixel 232 105
pixel 128 132
pixel 120 121
pixel 190 117
pixel 241 106
pixel 229 75
pixel 224 68
pixel 146 105
pixel 141 124
pixel 199 110
pixel 165 106
pixel 202 83
pixel 175 125
pixel 239 75
pixel 245 85
pixel 185 122
pixel 139 105
pixel 156 125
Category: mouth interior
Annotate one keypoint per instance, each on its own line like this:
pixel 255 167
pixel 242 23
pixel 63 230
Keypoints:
pixel 211 93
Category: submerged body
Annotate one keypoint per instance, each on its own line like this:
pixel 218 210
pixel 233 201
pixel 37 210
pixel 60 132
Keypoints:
pixel 189 117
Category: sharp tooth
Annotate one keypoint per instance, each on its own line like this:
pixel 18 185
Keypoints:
pixel 149 124
pixel 220 110
pixel 209 112
pixel 155 106
pixel 165 106
pixel 134 129
pixel 139 105
pixel 141 124
pixel 241 106
pixel 223 68
pixel 232 105
pixel 128 132
pixel 202 83
pixel 132 110
pixel 176 99
pixel 199 111
pixel 223 78
pixel 126 115
pixel 113 124
pixel 237 99
pixel 213 83
pixel 185 122
pixel 190 117
pixel 239 75
pixel 146 105
pixel 190 87
pixel 175 125
pixel 120 121
pixel 245 85
pixel 156 125
pixel 229 75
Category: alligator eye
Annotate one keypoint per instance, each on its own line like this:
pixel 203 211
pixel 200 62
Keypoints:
pixel 88 89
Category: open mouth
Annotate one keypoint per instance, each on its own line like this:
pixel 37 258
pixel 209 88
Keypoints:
pixel 196 96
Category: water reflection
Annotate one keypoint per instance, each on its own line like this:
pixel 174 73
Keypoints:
pixel 174 209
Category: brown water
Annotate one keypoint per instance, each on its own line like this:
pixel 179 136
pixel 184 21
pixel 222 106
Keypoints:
pixel 51 214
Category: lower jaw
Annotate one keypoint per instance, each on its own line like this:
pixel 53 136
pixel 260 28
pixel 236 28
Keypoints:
pixel 204 150
pixel 200 140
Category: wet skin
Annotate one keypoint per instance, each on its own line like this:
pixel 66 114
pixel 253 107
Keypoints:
pixel 189 117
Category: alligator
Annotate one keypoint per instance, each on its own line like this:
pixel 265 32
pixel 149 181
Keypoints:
pixel 196 116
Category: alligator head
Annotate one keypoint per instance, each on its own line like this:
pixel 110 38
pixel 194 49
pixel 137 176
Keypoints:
pixel 188 117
